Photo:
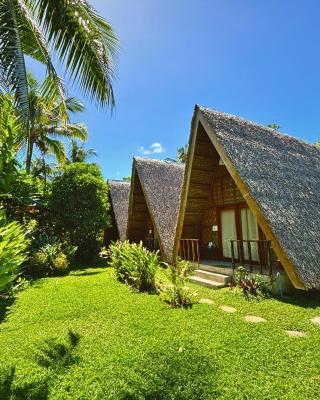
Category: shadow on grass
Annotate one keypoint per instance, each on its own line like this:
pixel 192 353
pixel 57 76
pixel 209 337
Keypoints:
pixel 99 263
pixel 177 375
pixel 5 304
pixel 303 299
pixel 53 355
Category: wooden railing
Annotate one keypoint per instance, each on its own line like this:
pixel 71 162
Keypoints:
pixel 189 250
pixel 264 253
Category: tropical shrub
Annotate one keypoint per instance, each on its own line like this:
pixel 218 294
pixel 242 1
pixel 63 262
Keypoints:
pixel 251 285
pixel 78 208
pixel 134 265
pixel 177 293
pixel 49 260
pixel 13 251
pixel 50 256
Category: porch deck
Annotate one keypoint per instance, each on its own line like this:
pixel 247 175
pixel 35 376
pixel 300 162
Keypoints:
pixel 225 267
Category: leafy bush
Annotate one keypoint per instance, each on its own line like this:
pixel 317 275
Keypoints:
pixel 78 208
pixel 50 256
pixel 61 264
pixel 13 251
pixel 252 286
pixel 134 265
pixel 177 294
pixel 42 239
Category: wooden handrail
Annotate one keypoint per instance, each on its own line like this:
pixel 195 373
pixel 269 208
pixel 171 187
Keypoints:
pixel 189 250
pixel 264 253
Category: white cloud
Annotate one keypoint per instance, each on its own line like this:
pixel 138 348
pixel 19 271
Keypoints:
pixel 155 148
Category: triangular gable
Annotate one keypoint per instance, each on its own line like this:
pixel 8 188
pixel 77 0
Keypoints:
pixel 279 178
pixel 161 183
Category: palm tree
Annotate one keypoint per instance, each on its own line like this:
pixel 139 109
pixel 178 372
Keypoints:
pixel 49 122
pixel 81 40
pixel 182 153
pixel 41 169
pixel 78 153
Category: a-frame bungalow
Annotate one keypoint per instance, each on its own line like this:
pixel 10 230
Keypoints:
pixel 119 192
pixel 154 204
pixel 250 196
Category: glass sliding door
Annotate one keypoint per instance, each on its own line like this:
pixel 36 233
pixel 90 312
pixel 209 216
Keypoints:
pixel 249 231
pixel 228 232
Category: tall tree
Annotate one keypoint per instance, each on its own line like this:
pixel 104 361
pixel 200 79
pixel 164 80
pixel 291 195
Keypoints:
pixel 78 153
pixel 49 120
pixel 83 42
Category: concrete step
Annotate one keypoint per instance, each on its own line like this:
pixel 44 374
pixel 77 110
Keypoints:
pixel 212 276
pixel 206 282
pixel 227 271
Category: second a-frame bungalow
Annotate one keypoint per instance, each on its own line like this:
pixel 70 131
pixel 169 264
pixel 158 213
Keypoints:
pixel 154 204
pixel 251 196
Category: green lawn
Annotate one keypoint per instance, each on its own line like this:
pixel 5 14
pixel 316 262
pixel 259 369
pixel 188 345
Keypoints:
pixel 132 346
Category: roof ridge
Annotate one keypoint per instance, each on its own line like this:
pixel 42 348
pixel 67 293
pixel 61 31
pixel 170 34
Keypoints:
pixel 118 181
pixel 155 160
pixel 280 135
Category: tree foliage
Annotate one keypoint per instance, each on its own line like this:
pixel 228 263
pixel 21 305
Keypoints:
pixel 182 153
pixel 78 153
pixel 49 123
pixel 13 251
pixel 82 40
pixel 9 129
pixel 274 126
pixel 78 207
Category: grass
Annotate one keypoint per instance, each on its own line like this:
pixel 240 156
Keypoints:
pixel 86 336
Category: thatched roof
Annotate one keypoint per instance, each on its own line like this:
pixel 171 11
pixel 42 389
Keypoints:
pixel 161 183
pixel 279 177
pixel 119 192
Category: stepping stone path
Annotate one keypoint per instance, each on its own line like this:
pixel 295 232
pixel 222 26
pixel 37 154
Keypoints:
pixel 228 309
pixel 206 301
pixel 315 320
pixel 254 319
pixel 296 333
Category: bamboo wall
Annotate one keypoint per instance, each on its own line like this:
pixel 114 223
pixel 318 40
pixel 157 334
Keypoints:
pixel 139 220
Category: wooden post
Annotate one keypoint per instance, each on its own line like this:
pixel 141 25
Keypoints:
pixel 193 253
pixel 250 256
pixel 239 252
pixel 198 252
pixel 232 256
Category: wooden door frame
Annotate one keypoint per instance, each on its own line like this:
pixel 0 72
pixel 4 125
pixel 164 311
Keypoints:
pixel 236 207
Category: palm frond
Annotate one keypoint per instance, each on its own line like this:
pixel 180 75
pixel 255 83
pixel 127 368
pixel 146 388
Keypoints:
pixel 54 147
pixel 78 131
pixel 35 45
pixel 70 104
pixel 12 62
pixel 85 42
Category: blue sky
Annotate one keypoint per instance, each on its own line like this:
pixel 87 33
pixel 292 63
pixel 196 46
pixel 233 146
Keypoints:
pixel 253 58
